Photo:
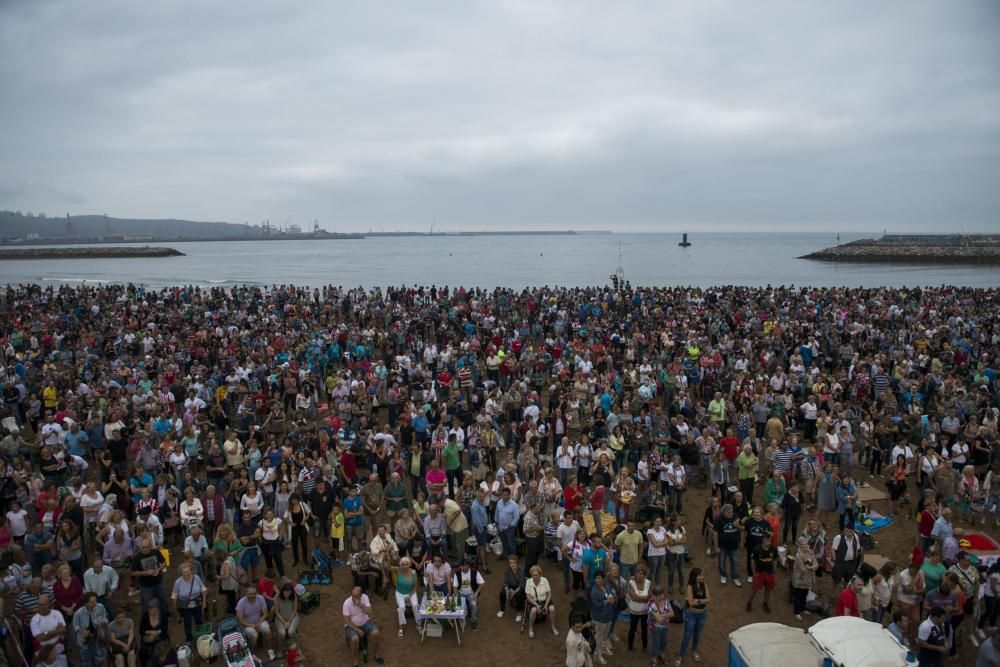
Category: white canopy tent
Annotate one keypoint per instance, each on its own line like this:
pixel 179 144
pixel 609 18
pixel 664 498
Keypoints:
pixel 769 644
pixel 854 642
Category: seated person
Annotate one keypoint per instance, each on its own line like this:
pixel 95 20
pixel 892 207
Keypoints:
pixel 363 570
pixel 252 613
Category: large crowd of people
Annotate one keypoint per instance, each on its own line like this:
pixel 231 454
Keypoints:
pixel 434 440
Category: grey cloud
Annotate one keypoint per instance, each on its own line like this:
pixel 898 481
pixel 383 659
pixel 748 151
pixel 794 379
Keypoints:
pixel 779 115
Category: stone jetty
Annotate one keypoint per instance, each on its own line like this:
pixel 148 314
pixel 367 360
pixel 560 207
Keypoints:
pixel 92 252
pixel 917 249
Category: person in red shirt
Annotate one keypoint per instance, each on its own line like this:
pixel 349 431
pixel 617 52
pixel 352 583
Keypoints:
pixel 730 447
pixel 597 499
pixel 349 466
pixel 573 494
pixel 927 518
pixel 847 601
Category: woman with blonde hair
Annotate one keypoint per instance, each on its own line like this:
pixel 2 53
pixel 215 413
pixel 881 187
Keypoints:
pixel 406 583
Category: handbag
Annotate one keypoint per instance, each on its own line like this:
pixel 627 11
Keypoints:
pixel 188 601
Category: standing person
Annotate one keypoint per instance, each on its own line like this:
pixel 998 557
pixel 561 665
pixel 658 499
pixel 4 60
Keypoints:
pixel 756 527
pixel 103 582
pixel 630 545
pixel 506 515
pixel 847 553
pixel 148 567
pixel 565 536
pixel 90 623
pixel 696 600
pixel 357 612
pixel 577 647
pixel 271 543
pixel 656 552
pixel 764 556
pixel 603 607
pixel 727 543
pixel 534 535
pixel 676 548
pixel 791 511
pixel 189 597
pixel 847 501
pixel 638 594
pixel 48 629
pixel 847 601
pixel 452 464
pixel 932 642
pixel 659 613
pixel 297 518
pixel 747 464
pixel 910 589
pixel 803 576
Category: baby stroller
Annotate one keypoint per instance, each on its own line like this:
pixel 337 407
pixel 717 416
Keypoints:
pixel 235 648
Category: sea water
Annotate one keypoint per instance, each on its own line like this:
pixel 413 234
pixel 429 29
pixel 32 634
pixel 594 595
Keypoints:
pixel 507 261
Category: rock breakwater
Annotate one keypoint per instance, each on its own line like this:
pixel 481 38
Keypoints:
pixel 916 249
pixel 87 253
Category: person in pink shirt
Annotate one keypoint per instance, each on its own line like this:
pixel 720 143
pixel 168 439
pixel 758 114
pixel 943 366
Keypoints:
pixel 357 612
pixel 436 479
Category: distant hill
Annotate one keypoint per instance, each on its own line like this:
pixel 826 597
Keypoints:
pixel 16 225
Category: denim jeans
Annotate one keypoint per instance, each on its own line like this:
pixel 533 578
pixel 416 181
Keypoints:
pixel 472 604
pixel 694 623
pixel 655 564
pixel 733 556
pixel 675 563
pixel 626 570
pixel 507 539
pixel 658 641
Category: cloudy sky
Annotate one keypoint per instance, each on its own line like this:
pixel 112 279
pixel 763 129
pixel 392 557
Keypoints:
pixel 633 116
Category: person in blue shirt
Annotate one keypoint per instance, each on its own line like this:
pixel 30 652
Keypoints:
pixel 595 559
pixel 77 440
pixel 95 433
pixel 139 481
pixel 420 425
pixel 354 521
pixel 506 516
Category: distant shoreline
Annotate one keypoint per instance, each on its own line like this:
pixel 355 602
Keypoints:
pixel 87 253
pixel 322 236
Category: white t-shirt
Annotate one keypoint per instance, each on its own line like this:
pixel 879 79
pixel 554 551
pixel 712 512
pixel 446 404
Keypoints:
pixel 567 534
pixel 42 624
pixel 270 530
pixel 91 505
pixel 18 522
pixel 678 535
pixel 638 607
pixel 660 535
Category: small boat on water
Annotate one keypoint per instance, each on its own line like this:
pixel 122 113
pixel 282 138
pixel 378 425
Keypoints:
pixel 684 241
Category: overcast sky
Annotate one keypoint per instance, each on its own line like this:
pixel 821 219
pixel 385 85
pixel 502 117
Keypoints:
pixel 630 116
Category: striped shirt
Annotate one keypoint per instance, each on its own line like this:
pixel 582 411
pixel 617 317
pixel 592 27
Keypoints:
pixel 781 459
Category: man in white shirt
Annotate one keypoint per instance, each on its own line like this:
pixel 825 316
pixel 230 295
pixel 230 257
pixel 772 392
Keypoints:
pixel 103 582
pixel 52 433
pixel 48 628
pixel 566 533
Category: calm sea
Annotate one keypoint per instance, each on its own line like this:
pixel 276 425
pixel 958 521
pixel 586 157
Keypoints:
pixel 510 261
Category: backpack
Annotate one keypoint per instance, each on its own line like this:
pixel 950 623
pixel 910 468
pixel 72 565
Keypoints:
pixel 236 574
